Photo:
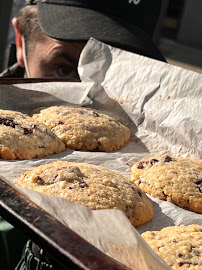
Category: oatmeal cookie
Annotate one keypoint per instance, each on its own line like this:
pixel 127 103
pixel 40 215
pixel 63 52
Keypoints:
pixel 92 186
pixel 175 179
pixel 84 129
pixel 21 137
pixel 179 246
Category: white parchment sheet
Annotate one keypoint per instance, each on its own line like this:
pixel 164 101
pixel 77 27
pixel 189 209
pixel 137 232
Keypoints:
pixel 160 103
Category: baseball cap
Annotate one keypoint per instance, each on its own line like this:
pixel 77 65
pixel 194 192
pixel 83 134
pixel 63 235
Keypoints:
pixel 110 21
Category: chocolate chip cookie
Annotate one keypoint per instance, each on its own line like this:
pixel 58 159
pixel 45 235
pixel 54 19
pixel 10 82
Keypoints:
pixel 84 129
pixel 92 186
pixel 21 137
pixel 175 179
pixel 179 246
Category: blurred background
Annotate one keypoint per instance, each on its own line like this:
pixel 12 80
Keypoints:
pixel 178 33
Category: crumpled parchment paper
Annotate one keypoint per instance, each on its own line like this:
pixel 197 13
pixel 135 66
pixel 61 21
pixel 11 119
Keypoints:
pixel 160 103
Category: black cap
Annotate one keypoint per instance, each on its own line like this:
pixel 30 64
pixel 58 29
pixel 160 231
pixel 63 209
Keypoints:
pixel 110 21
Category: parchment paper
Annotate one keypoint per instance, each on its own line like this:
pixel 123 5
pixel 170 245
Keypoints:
pixel 160 103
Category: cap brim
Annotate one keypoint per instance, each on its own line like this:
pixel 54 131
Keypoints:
pixel 69 23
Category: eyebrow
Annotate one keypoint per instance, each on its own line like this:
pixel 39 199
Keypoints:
pixel 60 52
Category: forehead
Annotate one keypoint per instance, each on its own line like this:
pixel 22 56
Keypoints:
pixel 50 46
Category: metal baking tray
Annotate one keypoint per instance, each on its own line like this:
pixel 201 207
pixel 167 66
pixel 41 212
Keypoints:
pixel 30 80
pixel 65 247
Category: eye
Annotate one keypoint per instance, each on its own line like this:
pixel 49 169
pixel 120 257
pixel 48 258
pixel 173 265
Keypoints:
pixel 67 72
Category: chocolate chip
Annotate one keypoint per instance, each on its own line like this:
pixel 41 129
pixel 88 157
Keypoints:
pixel 140 193
pixel 141 165
pixel 182 263
pixel 10 123
pixel 180 255
pixel 144 164
pixel 153 161
pixel 53 180
pixel 27 131
pixel 167 159
pixel 144 182
pixel 60 123
pixel 95 114
pixel 7 122
pixel 164 194
pixel 193 250
pixel 199 185
pixel 83 185
pixel 39 180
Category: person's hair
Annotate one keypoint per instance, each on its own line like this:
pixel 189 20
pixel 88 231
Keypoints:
pixel 29 27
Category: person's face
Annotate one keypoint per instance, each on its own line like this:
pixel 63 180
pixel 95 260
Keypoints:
pixel 54 58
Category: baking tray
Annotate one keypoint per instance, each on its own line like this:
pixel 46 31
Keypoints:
pixel 30 80
pixel 65 247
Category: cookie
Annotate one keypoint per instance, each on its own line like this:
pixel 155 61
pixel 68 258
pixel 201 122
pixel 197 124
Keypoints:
pixel 92 186
pixel 175 179
pixel 84 129
pixel 179 246
pixel 21 137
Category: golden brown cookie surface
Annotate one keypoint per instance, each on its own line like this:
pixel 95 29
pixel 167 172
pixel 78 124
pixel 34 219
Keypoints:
pixel 179 246
pixel 175 179
pixel 92 186
pixel 21 137
pixel 84 129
